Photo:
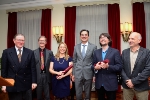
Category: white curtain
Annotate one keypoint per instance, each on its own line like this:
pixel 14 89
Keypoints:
pixel 147 21
pixel 29 24
pixel 93 18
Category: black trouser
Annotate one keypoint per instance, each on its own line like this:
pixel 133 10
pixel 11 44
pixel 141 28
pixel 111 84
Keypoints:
pixel 43 86
pixel 24 95
pixel 110 95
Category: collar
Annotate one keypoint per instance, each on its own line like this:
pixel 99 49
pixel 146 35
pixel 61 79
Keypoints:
pixel 105 50
pixel 41 49
pixel 135 50
pixel 85 44
pixel 17 48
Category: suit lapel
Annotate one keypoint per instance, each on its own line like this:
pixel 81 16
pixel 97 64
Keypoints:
pixel 100 55
pixel 139 56
pixel 79 48
pixel 108 53
pixel 24 56
pixel 37 55
pixel 128 60
pixel 14 56
pixel 88 49
pixel 46 56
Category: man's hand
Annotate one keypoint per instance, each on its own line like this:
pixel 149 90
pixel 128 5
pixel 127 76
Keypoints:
pixel 98 66
pixel 93 79
pixel 104 65
pixel 129 83
pixel 34 85
pixel 4 89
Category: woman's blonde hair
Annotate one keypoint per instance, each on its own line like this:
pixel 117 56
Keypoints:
pixel 58 53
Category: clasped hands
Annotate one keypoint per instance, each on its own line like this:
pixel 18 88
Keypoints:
pixel 101 65
pixel 129 83
pixel 60 75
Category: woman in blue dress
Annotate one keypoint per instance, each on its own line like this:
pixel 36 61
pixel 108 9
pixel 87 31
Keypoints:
pixel 61 81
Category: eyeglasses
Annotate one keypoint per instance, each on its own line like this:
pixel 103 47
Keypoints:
pixel 103 37
pixel 19 40
pixel 41 40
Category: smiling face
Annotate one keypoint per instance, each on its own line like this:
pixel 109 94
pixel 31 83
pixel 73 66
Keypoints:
pixel 103 40
pixel 84 36
pixel 19 41
pixel 62 48
pixel 42 42
pixel 134 39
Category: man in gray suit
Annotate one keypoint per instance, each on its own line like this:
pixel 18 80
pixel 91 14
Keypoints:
pixel 83 60
pixel 42 59
pixel 136 69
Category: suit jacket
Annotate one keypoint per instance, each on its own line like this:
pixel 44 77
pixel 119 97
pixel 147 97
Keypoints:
pixel 108 77
pixel 49 55
pixel 141 72
pixel 82 66
pixel 23 73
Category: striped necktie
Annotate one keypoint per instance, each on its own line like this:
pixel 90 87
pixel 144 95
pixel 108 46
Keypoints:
pixel 19 55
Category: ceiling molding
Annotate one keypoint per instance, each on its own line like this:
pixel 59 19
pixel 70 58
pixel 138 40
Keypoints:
pixel 36 3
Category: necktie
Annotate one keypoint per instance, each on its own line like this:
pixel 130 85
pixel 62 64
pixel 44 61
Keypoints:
pixel 42 60
pixel 19 55
pixel 83 51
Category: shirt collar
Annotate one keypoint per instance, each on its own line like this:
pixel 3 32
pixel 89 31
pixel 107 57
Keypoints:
pixel 136 50
pixel 17 48
pixel 105 50
pixel 41 49
pixel 84 44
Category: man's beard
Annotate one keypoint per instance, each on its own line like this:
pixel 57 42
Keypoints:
pixel 104 45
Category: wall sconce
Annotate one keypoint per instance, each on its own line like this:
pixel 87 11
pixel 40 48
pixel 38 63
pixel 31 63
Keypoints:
pixel 58 33
pixel 126 30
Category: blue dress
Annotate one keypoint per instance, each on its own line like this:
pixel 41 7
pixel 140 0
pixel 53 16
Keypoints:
pixel 61 87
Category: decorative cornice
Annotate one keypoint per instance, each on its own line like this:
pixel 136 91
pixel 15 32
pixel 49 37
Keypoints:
pixel 91 3
pixel 133 1
pixel 36 3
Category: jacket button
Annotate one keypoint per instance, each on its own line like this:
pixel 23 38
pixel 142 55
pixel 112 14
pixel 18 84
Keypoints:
pixel 24 73
pixel 16 74
pixel 24 80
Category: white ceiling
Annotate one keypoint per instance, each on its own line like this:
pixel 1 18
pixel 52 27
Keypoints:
pixel 12 4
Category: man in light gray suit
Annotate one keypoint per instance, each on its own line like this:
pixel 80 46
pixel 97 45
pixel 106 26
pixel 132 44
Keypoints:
pixel 83 60
pixel 42 59
pixel 136 69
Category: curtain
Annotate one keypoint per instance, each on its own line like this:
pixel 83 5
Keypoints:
pixel 93 18
pixel 46 26
pixel 114 25
pixel 139 21
pixel 12 28
pixel 29 24
pixel 114 28
pixel 70 20
pixel 147 22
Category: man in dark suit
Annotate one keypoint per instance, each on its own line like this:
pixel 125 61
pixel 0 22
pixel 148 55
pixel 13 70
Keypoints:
pixel 106 73
pixel 82 59
pixel 43 56
pixel 18 63
pixel 136 69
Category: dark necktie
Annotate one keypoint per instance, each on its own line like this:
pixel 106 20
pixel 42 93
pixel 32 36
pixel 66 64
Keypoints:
pixel 42 60
pixel 19 55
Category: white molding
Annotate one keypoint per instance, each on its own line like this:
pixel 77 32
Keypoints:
pixel 42 3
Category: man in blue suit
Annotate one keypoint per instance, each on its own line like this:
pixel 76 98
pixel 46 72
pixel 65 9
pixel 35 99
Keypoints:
pixel 106 73
pixel 18 63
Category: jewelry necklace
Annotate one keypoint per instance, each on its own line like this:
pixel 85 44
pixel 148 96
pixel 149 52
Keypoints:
pixel 61 62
